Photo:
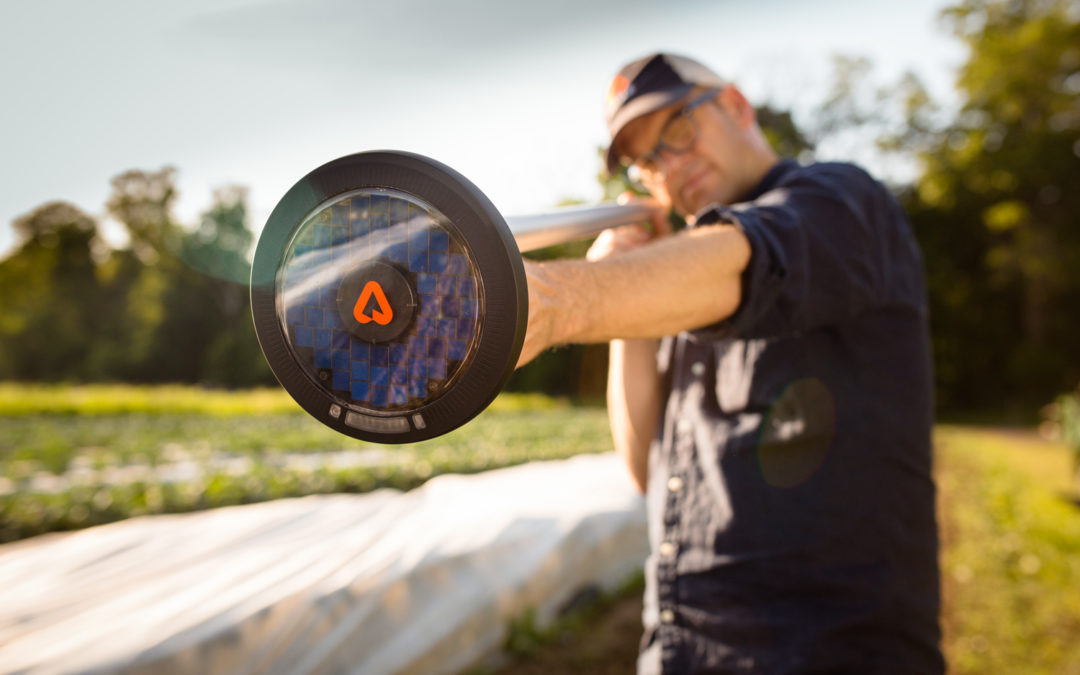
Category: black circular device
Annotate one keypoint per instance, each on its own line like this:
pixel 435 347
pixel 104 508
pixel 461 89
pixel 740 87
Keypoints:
pixel 389 296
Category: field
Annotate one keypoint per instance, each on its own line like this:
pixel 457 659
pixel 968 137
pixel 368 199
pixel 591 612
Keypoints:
pixel 71 457
pixel 74 456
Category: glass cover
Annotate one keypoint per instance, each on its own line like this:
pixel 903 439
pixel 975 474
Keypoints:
pixel 384 226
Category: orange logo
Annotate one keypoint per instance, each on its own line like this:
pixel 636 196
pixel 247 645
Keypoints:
pixel 617 89
pixel 382 315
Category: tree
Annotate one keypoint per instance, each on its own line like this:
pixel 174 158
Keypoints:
pixel 48 287
pixel 995 208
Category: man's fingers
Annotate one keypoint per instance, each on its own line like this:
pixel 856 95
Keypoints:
pixel 661 226
pixel 616 240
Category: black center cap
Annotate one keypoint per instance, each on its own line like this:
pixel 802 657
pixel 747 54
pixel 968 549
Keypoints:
pixel 376 302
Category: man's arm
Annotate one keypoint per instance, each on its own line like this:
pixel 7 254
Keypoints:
pixel 677 283
pixel 634 403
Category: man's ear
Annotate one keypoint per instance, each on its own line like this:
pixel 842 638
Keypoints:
pixel 736 105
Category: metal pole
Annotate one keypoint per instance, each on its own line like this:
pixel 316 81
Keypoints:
pixel 572 223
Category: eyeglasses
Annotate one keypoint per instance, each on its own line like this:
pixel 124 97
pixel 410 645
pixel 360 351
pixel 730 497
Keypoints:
pixel 676 137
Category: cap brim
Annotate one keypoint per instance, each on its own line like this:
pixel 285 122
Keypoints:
pixel 639 107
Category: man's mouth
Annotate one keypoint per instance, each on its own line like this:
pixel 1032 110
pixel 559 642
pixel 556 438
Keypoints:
pixel 692 184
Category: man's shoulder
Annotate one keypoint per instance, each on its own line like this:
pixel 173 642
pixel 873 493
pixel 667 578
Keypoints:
pixel 844 183
pixel 845 175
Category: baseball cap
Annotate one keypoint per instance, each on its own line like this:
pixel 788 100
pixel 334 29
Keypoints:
pixel 648 84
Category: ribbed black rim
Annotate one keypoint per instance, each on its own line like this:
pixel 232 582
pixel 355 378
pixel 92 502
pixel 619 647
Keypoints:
pixel 494 252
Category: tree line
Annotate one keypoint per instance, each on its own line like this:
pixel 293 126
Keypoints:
pixel 994 205
pixel 171 306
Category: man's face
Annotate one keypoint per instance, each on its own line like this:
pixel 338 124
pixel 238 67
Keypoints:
pixel 712 170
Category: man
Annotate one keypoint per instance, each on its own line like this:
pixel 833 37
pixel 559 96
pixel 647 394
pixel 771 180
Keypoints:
pixel 781 430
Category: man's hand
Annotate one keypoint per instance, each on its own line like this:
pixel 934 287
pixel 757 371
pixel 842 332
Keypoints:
pixel 632 290
pixel 621 239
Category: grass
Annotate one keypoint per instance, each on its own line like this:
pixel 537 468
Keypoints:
pixel 71 457
pixel 1010 570
pixel 1009 519
pixel 1011 560
pixel 18 399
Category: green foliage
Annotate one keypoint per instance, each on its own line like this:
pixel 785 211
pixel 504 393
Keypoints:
pixel 48 287
pixel 994 211
pixel 1011 559
pixel 71 457
pixel 527 636
pixel 782 133
pixel 172 307
pixel 1062 417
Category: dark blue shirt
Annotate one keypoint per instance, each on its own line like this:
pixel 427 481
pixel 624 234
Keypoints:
pixel 791 504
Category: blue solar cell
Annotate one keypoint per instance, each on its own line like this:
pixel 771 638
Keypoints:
pixel 468 307
pixel 339 338
pixel 398 253
pixel 425 283
pixel 359 370
pixel 341 360
pixel 418 367
pixel 418 233
pixel 417 345
pixel 447 285
pixel 455 350
pixel 294 315
pixel 364 228
pixel 378 397
pixel 313 316
pixel 440 240
pixel 426 326
pixel 380 376
pixel 465 328
pixel 361 350
pixel 303 337
pixel 417 387
pixel 436 348
pixel 358 206
pixel 429 305
pixel 436 369
pixel 458 264
pixel 340 234
pixel 398 374
pixel 418 261
pixel 328 296
pixel 399 395
pixel 451 307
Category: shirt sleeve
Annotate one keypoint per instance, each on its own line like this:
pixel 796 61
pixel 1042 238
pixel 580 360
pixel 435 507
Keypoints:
pixel 818 254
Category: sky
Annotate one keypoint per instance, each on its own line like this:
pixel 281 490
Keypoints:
pixel 259 92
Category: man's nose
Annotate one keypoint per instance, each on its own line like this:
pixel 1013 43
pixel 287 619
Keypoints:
pixel 671 161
